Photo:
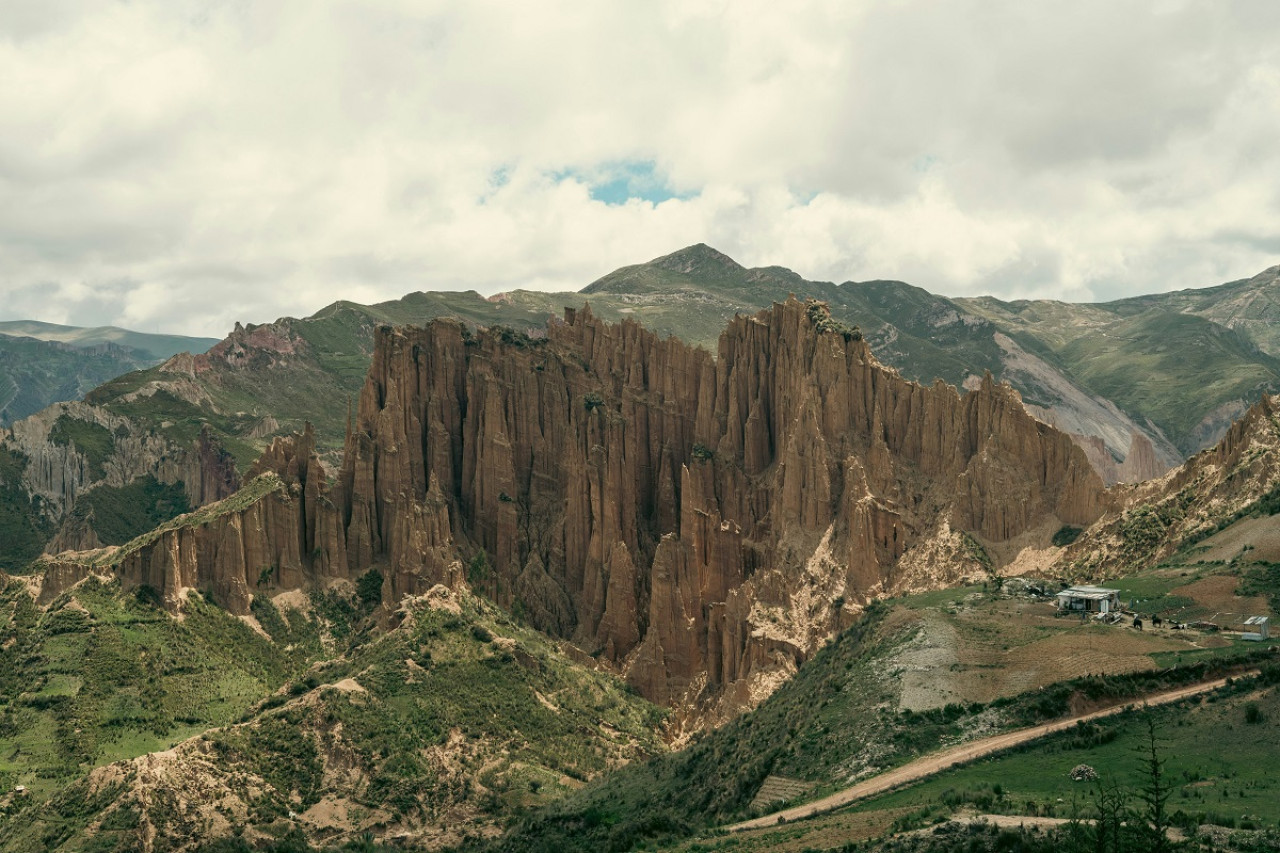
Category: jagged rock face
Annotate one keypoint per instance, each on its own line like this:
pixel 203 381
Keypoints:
pixel 1151 520
pixel 702 524
pixel 60 473
pixel 659 506
pixel 1140 463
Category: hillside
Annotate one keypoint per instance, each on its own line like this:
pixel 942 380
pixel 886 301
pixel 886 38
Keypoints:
pixel 515 512
pixel 43 363
pixel 870 701
pixel 131 729
pixel 267 380
pixel 1180 372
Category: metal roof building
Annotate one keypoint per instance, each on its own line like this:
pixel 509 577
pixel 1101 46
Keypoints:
pixel 1090 599
pixel 1261 626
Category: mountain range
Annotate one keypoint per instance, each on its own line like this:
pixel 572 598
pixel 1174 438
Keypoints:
pixel 44 363
pixel 338 577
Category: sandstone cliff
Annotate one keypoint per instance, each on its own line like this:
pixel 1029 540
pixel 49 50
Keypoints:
pixel 702 524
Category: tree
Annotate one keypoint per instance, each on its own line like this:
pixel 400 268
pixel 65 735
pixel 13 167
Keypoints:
pixel 1155 790
pixel 1112 804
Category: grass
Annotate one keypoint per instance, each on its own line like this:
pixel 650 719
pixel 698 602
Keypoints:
pixel 100 676
pixel 1218 763
pixel 24 528
pixel 453 713
pixel 121 513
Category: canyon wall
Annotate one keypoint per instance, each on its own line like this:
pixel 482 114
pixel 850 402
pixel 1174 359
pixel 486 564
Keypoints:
pixel 700 523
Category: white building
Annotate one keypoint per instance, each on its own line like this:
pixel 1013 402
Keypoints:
pixel 1089 599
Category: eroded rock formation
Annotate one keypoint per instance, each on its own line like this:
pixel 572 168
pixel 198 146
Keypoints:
pixel 58 473
pixel 701 523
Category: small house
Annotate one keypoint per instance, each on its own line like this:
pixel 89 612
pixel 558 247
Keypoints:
pixel 1256 628
pixel 1089 599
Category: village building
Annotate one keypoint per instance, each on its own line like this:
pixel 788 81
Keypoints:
pixel 1089 599
pixel 1256 628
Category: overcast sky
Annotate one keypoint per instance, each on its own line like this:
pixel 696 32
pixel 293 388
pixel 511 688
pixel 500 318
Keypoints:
pixel 177 166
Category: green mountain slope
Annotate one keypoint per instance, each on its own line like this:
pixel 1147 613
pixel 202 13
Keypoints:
pixel 442 727
pixel 1188 362
pixel 1250 307
pixel 35 374
pixel 44 363
pixel 932 670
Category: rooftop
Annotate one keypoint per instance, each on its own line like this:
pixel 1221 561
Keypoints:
pixel 1089 592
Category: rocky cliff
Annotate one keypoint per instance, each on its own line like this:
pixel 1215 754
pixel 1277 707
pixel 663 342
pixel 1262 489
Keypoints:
pixel 59 469
pixel 701 523
pixel 1149 521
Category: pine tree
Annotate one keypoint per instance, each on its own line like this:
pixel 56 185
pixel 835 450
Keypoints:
pixel 1155 790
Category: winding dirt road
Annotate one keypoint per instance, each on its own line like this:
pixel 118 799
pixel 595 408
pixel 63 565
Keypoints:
pixel 939 761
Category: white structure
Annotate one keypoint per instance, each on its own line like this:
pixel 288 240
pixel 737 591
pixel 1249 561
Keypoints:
pixel 1089 599
pixel 1261 628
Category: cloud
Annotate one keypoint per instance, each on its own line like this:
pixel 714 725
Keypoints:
pixel 182 165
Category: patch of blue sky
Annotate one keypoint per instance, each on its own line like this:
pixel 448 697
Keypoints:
pixel 619 182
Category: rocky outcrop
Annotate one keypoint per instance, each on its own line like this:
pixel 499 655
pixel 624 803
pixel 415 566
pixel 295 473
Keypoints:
pixel 703 524
pixel 658 505
pixel 1140 463
pixel 58 473
pixel 1151 520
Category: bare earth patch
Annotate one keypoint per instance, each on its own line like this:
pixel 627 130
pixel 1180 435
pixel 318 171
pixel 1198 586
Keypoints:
pixel 1218 594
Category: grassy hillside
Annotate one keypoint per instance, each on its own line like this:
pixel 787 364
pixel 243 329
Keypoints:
pixel 1215 751
pixel 154 345
pixel 43 363
pixel 1154 357
pixel 929 671
pixel 100 675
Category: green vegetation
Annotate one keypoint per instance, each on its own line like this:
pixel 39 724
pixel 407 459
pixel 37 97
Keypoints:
pixel 1213 775
pixel 120 513
pixel 369 588
pixel 93 441
pixel 457 709
pixel 103 675
pixel 820 316
pixel 973 548
pixel 1066 535
pixel 24 528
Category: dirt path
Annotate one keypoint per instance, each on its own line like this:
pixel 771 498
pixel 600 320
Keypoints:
pixel 939 761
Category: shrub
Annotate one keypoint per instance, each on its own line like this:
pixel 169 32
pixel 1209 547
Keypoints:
pixel 369 588
pixel 1066 535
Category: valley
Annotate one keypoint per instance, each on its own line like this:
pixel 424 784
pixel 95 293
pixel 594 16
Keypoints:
pixel 442 573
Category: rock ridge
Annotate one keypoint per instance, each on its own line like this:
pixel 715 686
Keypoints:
pixel 701 524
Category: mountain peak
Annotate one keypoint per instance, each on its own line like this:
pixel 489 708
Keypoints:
pixel 697 258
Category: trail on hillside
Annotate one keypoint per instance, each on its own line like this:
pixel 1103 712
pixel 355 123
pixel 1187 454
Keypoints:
pixel 936 762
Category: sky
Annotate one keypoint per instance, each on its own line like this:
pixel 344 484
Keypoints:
pixel 178 166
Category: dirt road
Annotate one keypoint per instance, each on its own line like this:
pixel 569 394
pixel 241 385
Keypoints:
pixel 939 761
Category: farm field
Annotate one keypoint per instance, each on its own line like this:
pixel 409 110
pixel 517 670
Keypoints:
pixel 973 645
